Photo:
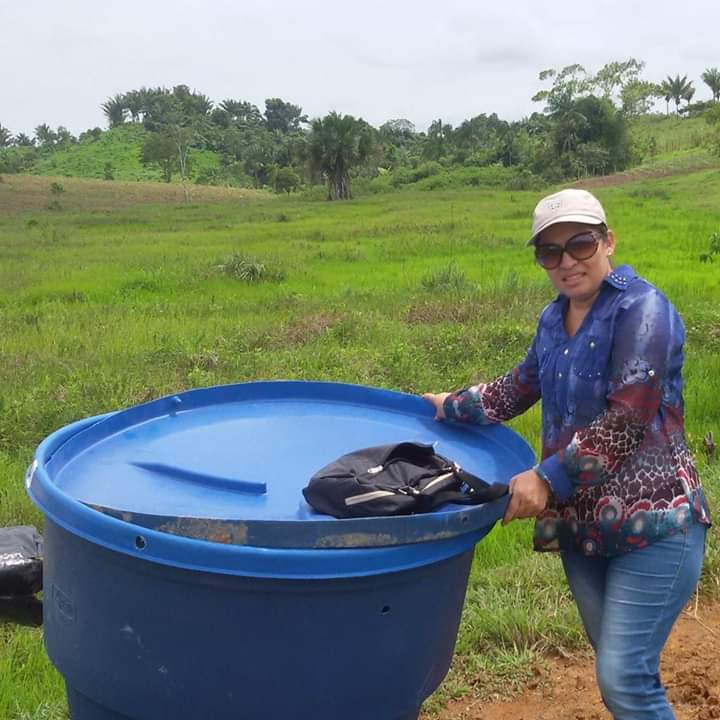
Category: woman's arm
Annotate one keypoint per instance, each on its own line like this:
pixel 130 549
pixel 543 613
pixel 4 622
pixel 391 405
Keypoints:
pixel 496 401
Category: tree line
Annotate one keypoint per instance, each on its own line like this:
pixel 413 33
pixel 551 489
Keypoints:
pixel 582 129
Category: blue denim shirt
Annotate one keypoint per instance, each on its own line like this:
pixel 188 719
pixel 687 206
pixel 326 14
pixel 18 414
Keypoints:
pixel 613 443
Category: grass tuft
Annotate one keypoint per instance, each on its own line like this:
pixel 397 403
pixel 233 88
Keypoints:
pixel 250 270
pixel 446 279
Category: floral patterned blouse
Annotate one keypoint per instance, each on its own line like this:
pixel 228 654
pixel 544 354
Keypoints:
pixel 613 441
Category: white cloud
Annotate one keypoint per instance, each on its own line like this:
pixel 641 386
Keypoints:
pixel 419 60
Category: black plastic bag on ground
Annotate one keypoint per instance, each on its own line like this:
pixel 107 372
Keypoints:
pixel 21 553
pixel 22 610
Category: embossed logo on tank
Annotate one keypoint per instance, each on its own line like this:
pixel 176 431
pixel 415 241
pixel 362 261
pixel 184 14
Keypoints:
pixel 63 604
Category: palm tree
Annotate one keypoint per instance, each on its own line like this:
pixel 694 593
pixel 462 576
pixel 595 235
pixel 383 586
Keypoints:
pixel 688 95
pixel 711 77
pixel 438 135
pixel 134 103
pixel 678 88
pixel 5 137
pixel 242 112
pixel 338 143
pixel 22 140
pixel 191 102
pixel 115 110
pixel 665 92
pixel 45 135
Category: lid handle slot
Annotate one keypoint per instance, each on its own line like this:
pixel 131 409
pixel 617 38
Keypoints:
pixel 248 487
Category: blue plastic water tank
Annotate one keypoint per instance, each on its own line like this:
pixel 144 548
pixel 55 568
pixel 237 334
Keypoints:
pixel 186 578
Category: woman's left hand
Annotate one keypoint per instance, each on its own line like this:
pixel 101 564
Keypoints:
pixel 530 495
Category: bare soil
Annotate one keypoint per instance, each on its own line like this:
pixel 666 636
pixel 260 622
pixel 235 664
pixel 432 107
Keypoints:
pixel 565 689
pixel 636 175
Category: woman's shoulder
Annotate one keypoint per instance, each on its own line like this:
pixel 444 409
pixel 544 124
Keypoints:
pixel 644 305
pixel 642 290
pixel 636 289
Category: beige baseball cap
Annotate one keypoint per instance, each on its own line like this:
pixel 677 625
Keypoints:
pixel 570 205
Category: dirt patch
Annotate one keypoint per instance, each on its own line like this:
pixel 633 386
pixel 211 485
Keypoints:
pixel 630 176
pixel 428 311
pixel 302 330
pixel 565 689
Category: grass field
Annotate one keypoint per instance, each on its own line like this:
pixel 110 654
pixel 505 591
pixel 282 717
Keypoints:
pixel 669 133
pixel 107 301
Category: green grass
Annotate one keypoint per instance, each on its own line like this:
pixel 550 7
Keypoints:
pixel 671 134
pixel 121 147
pixel 101 309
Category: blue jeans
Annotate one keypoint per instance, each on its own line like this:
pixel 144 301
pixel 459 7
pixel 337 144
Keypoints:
pixel 628 604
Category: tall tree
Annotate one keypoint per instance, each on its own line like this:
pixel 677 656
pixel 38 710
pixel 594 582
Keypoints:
pixel 176 122
pixel 191 103
pixel 614 76
pixel 397 131
pixel 568 84
pixel 23 140
pixel 134 103
pixel 677 89
pixel 688 95
pixel 437 140
pixel 159 149
pixel 115 110
pixel 481 138
pixel 5 137
pixel 666 94
pixel 252 146
pixel 283 116
pixel 711 77
pixel 63 136
pixel 241 113
pixel 637 97
pixel 45 136
pixel 338 143
pixel 158 102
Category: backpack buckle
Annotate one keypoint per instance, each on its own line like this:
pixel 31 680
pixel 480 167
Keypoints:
pixel 409 490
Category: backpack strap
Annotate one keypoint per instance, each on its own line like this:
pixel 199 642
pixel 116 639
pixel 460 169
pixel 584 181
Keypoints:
pixel 460 487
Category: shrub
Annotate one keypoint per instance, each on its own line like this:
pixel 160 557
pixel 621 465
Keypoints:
pixel 249 269
pixel 448 278
pixel 714 248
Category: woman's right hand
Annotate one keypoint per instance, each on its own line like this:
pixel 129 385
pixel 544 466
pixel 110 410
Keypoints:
pixel 437 400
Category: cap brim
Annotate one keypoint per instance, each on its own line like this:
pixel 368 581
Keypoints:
pixel 587 219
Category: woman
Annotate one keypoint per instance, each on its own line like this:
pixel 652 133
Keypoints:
pixel 616 491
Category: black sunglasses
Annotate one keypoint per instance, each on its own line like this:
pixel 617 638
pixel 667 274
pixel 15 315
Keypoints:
pixel 579 247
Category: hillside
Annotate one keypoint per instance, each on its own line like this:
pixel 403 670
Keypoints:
pixel 664 143
pixel 116 150
pixel 669 133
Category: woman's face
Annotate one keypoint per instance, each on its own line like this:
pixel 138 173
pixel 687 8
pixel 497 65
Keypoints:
pixel 579 280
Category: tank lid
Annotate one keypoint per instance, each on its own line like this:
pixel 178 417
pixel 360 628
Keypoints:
pixel 226 465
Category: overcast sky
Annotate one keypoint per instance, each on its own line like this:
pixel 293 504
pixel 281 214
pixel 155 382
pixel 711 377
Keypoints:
pixel 374 59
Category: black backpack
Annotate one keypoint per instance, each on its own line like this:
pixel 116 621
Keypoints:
pixel 398 479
